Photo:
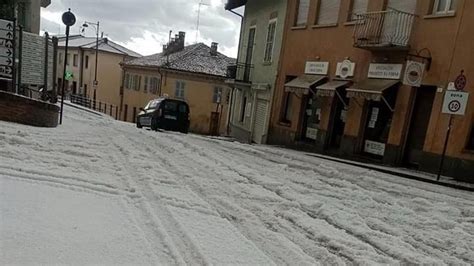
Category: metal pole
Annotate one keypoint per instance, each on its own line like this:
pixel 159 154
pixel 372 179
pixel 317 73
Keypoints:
pixel 45 74
pixel 64 75
pixel 443 155
pixel 55 58
pixel 96 61
pixel 14 65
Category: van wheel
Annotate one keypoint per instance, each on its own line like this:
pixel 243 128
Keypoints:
pixel 154 125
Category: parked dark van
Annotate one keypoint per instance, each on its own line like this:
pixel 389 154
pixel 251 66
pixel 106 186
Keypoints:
pixel 164 113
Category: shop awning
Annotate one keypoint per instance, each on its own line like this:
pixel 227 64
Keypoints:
pixel 303 83
pixel 329 89
pixel 370 89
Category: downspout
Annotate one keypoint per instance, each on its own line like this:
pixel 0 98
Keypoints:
pixel 231 104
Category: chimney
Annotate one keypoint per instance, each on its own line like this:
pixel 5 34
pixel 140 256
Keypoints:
pixel 181 36
pixel 214 48
pixel 176 44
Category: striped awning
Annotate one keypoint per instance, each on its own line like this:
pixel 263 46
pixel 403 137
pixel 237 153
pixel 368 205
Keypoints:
pixel 304 83
pixel 329 89
pixel 370 89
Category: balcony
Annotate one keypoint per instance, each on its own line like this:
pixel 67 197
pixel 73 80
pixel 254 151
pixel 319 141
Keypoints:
pixel 239 72
pixel 384 30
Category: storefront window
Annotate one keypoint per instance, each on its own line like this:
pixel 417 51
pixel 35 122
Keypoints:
pixel 470 140
pixel 312 118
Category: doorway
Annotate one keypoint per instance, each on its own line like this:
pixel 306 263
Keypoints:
pixel 338 119
pixel 311 117
pixel 420 118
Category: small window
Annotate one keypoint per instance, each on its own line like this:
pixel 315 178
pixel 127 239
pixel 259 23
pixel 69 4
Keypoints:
pixel 74 60
pixel 68 59
pixel 357 7
pixel 302 13
pixel 270 41
pixel 86 62
pixel 179 90
pixel 61 58
pixel 444 6
pixel 328 12
pixel 127 81
pixel 470 140
pixel 217 96
pixel 145 86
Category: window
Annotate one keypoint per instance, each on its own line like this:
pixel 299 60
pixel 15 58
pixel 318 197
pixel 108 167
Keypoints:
pixel 242 108
pixel 74 60
pixel 137 82
pixel 302 15
pixel 87 62
pixel 270 41
pixel 444 6
pixel 154 84
pixel 145 87
pixel 357 7
pixel 68 59
pixel 287 108
pixel 179 90
pixel 60 58
pixel 328 12
pixel 217 96
pixel 470 140
pixel 127 81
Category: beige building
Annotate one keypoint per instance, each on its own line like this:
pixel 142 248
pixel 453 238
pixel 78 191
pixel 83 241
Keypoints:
pixel 81 58
pixel 194 73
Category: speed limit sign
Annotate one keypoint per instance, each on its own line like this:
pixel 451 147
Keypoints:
pixel 455 102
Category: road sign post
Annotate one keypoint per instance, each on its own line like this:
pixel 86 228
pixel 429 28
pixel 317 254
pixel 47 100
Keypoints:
pixel 455 103
pixel 7 51
pixel 68 19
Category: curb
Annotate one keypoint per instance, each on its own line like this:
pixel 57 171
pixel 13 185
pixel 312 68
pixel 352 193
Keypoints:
pixel 391 172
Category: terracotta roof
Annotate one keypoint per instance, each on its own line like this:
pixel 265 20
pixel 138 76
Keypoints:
pixel 193 58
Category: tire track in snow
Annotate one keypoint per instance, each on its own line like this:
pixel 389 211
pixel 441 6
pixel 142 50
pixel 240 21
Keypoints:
pixel 379 249
pixel 179 244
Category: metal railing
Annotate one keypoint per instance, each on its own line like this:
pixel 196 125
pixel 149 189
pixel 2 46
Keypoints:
pixel 390 28
pixel 240 72
pixel 99 106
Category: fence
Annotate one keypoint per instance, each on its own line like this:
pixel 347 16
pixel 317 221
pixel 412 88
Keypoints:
pixel 99 106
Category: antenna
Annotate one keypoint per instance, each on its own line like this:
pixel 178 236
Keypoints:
pixel 198 18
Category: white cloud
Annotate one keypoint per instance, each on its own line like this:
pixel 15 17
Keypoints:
pixel 143 25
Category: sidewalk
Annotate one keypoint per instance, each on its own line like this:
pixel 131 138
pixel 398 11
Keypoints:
pixel 403 172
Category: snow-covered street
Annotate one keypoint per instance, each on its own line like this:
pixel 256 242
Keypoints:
pixel 98 191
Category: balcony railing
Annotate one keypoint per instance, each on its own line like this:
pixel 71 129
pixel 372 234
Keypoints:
pixel 240 72
pixel 385 29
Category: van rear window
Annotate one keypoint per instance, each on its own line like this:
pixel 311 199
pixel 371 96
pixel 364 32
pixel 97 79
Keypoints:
pixel 171 106
pixel 153 104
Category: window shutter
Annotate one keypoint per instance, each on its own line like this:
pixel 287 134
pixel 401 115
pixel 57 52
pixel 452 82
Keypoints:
pixel 328 12
pixel 358 7
pixel 303 9
pixel 408 6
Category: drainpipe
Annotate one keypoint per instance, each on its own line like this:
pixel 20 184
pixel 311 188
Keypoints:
pixel 231 103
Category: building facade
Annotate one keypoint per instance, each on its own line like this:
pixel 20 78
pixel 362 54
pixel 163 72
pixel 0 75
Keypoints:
pixel 194 73
pixel 342 87
pixel 253 77
pixel 80 61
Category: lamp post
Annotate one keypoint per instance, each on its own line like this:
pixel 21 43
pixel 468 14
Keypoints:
pixel 69 20
pixel 96 26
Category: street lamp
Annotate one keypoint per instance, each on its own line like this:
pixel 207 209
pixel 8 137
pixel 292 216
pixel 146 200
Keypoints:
pixel 96 26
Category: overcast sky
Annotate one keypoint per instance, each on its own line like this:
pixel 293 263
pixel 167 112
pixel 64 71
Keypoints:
pixel 144 25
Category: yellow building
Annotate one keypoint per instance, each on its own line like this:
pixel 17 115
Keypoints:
pixel 194 73
pixel 81 62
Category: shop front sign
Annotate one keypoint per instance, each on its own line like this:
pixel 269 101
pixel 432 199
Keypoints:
pixel 316 68
pixel 414 73
pixel 374 147
pixel 345 69
pixel 385 71
pixel 455 102
pixel 311 133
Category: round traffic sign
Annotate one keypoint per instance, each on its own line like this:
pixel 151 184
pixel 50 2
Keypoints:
pixel 68 18
pixel 454 106
pixel 460 82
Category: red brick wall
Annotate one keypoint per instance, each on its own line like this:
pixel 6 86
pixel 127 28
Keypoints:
pixel 19 109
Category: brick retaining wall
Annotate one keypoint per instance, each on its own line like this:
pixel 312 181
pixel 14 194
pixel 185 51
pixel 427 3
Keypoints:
pixel 23 110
